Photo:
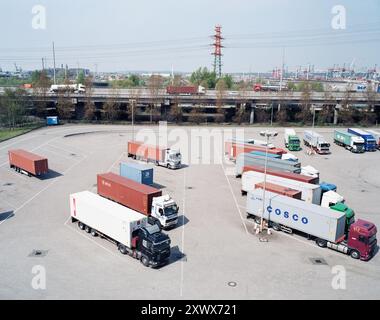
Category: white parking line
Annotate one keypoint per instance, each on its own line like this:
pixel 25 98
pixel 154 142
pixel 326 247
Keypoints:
pixel 235 200
pixel 44 189
pixel 183 230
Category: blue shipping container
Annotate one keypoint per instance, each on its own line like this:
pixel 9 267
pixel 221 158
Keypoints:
pixel 51 121
pixel 137 172
pixel 262 154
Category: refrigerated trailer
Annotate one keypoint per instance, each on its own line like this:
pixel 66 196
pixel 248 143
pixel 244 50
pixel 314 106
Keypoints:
pixel 161 156
pixel 124 227
pixel 326 226
pixel 161 209
pixel 247 159
pixel 28 163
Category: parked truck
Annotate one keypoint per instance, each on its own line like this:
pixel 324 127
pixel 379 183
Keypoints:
pixel 161 209
pixel 369 141
pixel 185 90
pixel 124 227
pixel 316 142
pixel 376 135
pixel 161 156
pixel 292 142
pixel 28 163
pixel 327 227
pixel 136 172
pixel 349 141
pixel 246 159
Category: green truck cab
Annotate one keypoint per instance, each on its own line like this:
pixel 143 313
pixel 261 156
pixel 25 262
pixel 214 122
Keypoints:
pixel 294 143
pixel 350 214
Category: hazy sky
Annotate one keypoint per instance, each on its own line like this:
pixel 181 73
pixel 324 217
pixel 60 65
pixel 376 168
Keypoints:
pixel 156 34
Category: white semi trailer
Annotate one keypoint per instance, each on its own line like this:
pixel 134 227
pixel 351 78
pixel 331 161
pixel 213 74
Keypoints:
pixel 125 227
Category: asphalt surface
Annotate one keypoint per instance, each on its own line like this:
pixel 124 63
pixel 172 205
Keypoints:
pixel 215 254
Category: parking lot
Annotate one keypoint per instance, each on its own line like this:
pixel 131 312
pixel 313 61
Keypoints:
pixel 215 253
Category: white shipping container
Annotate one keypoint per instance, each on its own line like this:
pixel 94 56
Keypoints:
pixel 323 223
pixel 108 217
pixel 311 193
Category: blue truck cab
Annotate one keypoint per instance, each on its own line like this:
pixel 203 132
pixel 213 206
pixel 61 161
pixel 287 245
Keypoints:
pixel 52 121
pixel 369 141
pixel 325 186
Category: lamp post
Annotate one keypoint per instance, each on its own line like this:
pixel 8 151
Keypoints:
pixel 267 134
pixel 133 118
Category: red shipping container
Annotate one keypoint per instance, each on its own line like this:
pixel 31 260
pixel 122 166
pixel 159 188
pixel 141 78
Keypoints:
pixel 127 192
pixel 29 162
pixel 288 192
pixel 283 174
pixel 145 151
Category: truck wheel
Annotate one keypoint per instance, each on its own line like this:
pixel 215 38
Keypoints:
pixel 94 233
pixel 276 227
pixel 355 254
pixel 122 249
pixel 80 225
pixel 145 261
pixel 87 229
pixel 321 243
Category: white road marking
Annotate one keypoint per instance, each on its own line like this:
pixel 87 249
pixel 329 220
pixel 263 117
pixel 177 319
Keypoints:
pixel 235 200
pixel 44 189
pixel 183 231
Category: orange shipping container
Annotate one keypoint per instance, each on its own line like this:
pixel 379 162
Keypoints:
pixel 27 161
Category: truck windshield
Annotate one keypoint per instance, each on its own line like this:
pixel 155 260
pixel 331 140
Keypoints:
pixel 158 246
pixel 359 144
pixel 325 145
pixel 170 210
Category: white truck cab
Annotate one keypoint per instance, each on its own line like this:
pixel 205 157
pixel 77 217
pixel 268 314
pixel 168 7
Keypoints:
pixel 165 210
pixel 289 157
pixel 173 159
pixel 331 198
pixel 310 171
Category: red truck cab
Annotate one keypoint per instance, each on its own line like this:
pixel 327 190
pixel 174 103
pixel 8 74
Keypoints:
pixel 362 239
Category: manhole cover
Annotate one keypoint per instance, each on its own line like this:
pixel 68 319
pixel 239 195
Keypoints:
pixel 38 253
pixel 7 184
pixel 318 261
pixel 363 191
pixel 73 154
pixel 232 284
pixel 94 185
pixel 189 188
